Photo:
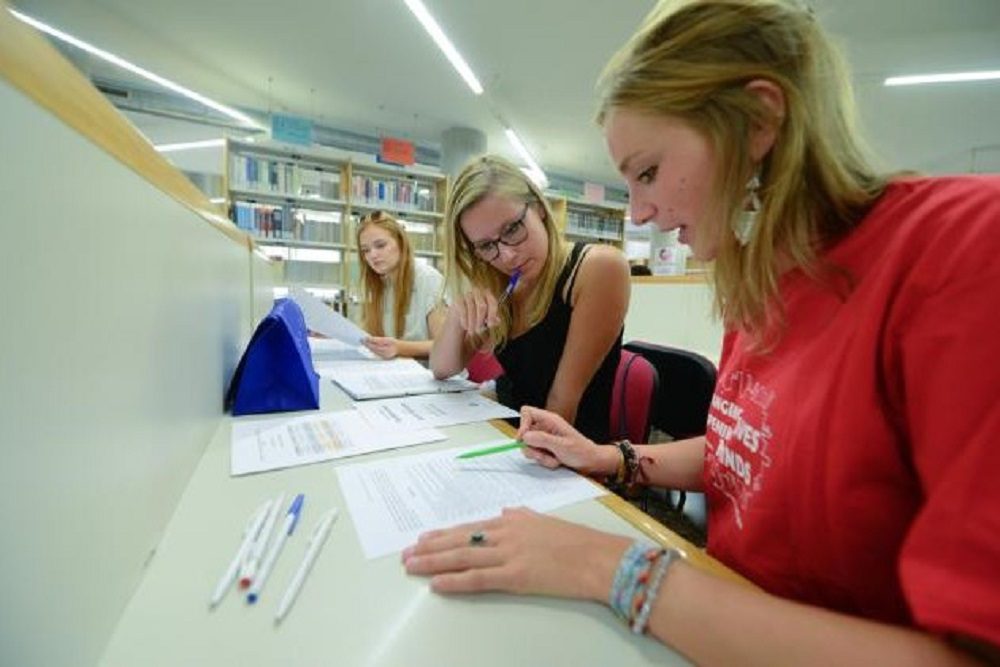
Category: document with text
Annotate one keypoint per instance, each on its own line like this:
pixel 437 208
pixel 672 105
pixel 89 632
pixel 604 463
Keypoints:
pixel 432 410
pixel 393 501
pixel 399 377
pixel 270 444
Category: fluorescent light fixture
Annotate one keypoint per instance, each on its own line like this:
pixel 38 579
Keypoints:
pixel 437 34
pixel 533 171
pixel 953 77
pixel 217 200
pixel 135 69
pixel 190 145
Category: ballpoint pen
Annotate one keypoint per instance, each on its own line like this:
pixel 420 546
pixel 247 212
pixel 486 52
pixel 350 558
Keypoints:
pixel 496 449
pixel 511 284
pixel 249 534
pixel 291 518
pixel 251 560
pixel 316 543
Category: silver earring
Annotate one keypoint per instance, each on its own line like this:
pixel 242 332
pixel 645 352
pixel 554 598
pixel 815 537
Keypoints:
pixel 747 221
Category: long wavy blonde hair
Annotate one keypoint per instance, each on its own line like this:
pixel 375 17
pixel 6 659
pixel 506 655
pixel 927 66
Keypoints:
pixel 373 286
pixel 482 177
pixel 692 60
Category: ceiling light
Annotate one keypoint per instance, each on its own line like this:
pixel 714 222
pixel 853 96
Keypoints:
pixel 190 145
pixel 441 39
pixel 953 77
pixel 135 69
pixel 533 171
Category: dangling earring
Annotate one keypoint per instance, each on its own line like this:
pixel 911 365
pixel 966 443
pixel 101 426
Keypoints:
pixel 751 208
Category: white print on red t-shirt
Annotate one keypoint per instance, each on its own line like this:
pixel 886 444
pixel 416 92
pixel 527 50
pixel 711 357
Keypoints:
pixel 738 438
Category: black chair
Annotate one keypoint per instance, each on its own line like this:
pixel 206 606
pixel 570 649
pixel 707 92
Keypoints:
pixel 686 385
pixel 687 381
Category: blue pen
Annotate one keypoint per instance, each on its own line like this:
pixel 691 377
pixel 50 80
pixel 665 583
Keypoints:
pixel 291 520
pixel 511 284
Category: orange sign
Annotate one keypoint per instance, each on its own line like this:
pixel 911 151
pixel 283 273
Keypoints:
pixel 396 151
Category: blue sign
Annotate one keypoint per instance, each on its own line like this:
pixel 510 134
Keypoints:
pixel 291 129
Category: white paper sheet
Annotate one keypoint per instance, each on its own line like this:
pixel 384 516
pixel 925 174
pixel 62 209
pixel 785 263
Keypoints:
pixel 393 501
pixel 398 377
pixel 325 320
pixel 331 350
pixel 432 410
pixel 270 444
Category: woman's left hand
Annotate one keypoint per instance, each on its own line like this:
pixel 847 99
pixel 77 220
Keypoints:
pixel 382 346
pixel 521 551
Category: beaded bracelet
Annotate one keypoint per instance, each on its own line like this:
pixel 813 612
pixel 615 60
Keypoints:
pixel 642 618
pixel 637 582
pixel 627 577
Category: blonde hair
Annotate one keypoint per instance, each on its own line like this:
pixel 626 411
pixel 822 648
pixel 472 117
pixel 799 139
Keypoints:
pixel 692 61
pixel 373 285
pixel 482 177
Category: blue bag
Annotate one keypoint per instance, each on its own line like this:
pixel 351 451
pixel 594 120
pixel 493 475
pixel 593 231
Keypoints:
pixel 276 372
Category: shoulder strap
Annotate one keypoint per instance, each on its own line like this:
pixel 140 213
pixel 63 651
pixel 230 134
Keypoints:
pixel 580 250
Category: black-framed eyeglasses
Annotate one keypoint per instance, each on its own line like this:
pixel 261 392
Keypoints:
pixel 511 235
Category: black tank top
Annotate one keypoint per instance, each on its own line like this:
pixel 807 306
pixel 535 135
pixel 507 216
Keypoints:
pixel 530 361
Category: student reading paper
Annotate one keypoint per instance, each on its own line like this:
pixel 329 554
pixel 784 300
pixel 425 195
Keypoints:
pixel 402 309
pixel 851 456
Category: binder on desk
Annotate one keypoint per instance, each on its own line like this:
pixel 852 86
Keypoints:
pixel 389 379
pixel 275 373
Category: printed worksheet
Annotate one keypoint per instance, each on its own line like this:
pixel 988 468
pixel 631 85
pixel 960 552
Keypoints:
pixel 270 444
pixel 432 410
pixel 392 501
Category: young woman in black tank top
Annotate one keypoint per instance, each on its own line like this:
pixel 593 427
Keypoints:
pixel 558 335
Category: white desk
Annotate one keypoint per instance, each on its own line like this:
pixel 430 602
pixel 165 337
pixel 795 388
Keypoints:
pixel 351 611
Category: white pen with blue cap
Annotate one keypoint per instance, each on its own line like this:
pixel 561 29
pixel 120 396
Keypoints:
pixel 291 519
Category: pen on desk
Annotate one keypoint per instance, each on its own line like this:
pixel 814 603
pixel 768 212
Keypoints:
pixel 252 559
pixel 249 533
pixel 291 518
pixel 316 543
pixel 491 450
pixel 511 284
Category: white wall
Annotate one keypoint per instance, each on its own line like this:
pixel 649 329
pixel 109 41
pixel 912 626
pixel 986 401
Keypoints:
pixel 674 314
pixel 123 317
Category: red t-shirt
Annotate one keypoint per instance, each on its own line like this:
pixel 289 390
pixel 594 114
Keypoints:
pixel 856 466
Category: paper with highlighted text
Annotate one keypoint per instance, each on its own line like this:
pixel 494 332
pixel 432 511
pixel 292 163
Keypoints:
pixel 271 444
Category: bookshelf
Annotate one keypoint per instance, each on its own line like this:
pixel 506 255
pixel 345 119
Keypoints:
pixel 302 206
pixel 591 222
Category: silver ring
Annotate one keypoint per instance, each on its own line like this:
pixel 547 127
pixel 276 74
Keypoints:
pixel 477 539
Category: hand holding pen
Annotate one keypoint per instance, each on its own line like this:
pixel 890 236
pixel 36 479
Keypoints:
pixel 477 310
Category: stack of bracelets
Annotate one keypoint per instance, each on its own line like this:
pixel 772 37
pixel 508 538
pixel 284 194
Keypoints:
pixel 637 581
pixel 626 477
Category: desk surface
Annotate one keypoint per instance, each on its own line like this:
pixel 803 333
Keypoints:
pixel 351 611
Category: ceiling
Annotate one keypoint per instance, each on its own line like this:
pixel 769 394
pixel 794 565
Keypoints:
pixel 367 66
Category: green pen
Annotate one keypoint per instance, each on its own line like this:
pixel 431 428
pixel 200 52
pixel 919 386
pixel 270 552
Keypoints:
pixel 496 449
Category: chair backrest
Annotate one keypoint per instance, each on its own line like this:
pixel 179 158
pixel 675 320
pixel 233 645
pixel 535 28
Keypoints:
pixel 483 366
pixel 687 382
pixel 633 396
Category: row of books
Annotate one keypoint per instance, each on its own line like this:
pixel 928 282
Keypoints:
pixel 288 222
pixel 593 224
pixel 249 172
pixel 396 193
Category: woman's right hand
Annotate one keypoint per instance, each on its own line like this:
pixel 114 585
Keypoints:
pixel 475 311
pixel 552 442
